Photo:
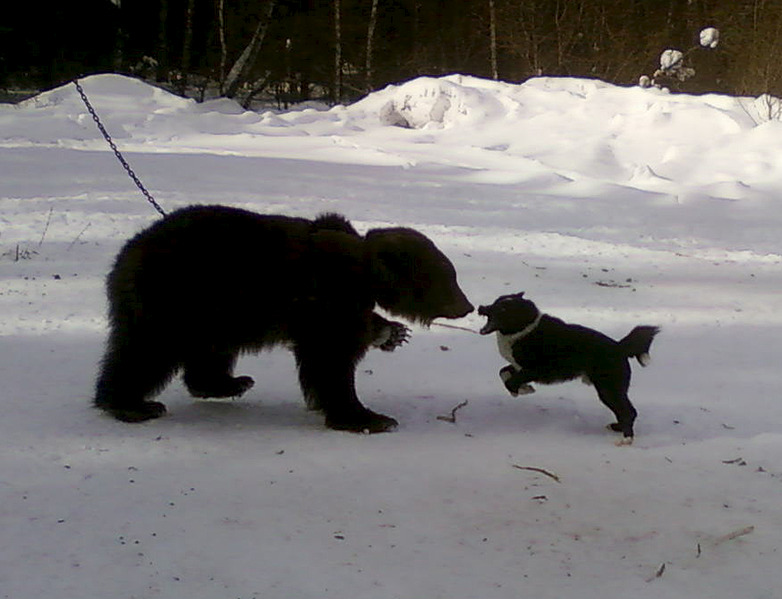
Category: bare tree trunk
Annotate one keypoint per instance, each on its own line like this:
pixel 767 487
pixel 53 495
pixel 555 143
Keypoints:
pixel 223 47
pixel 241 68
pixel 162 44
pixel 337 53
pixel 493 33
pixel 370 39
pixel 186 45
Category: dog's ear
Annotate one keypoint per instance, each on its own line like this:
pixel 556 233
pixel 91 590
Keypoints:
pixel 520 294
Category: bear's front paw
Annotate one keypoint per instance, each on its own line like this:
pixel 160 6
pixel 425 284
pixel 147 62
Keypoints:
pixel 392 336
pixel 227 387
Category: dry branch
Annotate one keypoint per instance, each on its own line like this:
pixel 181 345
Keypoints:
pixel 46 227
pixel 657 574
pixel 452 417
pixel 733 535
pixel 538 470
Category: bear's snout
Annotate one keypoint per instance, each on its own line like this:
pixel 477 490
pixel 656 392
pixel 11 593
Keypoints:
pixel 458 309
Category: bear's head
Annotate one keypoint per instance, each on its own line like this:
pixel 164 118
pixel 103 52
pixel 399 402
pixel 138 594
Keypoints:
pixel 412 278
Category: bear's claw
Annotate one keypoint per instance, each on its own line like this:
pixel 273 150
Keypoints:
pixel 397 335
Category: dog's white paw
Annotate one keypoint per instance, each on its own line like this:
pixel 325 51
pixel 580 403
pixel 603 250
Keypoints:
pixel 506 374
pixel 624 442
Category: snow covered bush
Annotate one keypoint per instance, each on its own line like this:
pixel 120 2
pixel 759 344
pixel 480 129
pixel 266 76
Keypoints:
pixel 672 65
pixel 709 37
pixel 763 109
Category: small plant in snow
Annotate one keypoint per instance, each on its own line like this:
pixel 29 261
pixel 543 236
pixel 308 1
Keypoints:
pixel 672 65
pixel 769 107
pixel 19 253
pixel 763 109
pixel 145 68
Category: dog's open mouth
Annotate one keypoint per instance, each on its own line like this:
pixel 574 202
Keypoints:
pixel 489 327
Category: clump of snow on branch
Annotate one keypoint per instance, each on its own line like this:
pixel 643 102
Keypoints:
pixel 709 37
pixel 672 61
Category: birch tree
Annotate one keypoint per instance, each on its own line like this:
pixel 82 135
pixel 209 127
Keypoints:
pixel 240 71
pixel 337 52
pixel 493 40
pixel 370 39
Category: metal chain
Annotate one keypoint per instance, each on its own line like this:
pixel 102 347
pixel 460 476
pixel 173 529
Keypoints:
pixel 117 153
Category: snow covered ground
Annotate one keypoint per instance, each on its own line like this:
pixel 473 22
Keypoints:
pixel 609 206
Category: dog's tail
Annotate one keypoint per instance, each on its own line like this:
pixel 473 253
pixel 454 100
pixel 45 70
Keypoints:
pixel 637 343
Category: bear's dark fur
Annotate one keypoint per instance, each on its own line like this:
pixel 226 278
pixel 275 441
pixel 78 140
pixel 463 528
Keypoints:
pixel 206 283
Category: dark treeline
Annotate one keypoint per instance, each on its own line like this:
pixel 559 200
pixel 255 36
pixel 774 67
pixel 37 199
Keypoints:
pixel 298 49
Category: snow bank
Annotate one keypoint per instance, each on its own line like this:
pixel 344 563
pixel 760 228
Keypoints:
pixel 589 131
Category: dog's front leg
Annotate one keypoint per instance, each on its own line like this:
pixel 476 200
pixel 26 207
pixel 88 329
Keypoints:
pixel 515 381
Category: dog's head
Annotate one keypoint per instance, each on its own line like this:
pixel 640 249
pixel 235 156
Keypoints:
pixel 508 314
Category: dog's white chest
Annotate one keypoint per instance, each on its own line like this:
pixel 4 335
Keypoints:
pixel 505 342
pixel 505 346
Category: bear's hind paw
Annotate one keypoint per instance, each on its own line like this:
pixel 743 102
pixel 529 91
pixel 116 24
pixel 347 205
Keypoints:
pixel 367 422
pixel 139 413
pixel 232 387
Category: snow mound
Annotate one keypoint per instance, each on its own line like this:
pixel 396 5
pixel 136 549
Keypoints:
pixel 435 103
pixel 586 130
pixel 122 93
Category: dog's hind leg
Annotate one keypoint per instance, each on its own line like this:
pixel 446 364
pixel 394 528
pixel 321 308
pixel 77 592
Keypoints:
pixel 614 396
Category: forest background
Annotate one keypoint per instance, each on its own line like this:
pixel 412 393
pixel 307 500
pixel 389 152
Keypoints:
pixel 339 50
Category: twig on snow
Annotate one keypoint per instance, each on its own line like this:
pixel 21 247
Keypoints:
pixel 78 236
pixel 657 574
pixel 46 227
pixel 538 470
pixel 452 417
pixel 733 535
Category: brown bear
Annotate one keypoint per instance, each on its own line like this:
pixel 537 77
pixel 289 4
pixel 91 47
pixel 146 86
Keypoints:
pixel 206 283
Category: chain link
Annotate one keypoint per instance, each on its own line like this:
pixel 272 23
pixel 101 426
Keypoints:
pixel 117 153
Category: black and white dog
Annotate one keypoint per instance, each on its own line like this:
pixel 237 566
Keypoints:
pixel 544 349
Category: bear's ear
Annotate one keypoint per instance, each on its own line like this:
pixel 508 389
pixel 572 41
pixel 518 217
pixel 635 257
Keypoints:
pixel 382 249
pixel 335 259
